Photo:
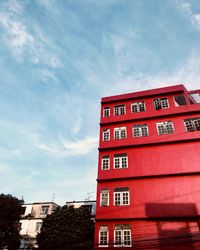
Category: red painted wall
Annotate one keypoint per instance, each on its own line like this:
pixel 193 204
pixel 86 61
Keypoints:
pixel 179 132
pixel 162 234
pixel 146 192
pixel 163 174
pixel 154 160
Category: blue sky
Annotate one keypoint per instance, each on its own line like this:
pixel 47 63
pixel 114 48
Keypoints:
pixel 57 59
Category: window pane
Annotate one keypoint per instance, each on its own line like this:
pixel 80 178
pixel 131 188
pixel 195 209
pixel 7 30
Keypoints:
pixel 127 238
pixel 134 107
pixel 117 134
pixel 118 237
pixel 119 110
pixel 117 199
pixel 124 162
pixel 160 103
pixel 125 198
pixel 104 199
pixel 106 135
pixel 103 236
pixel 116 162
pixel 179 100
pixel 165 127
pixel 123 133
pixel 105 162
pixel 140 130
pixel 106 112
pixel 164 103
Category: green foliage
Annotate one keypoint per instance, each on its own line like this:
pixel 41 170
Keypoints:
pixel 67 229
pixel 10 212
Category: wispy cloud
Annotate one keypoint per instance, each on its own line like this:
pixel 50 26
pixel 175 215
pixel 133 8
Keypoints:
pixel 18 39
pixel 186 8
pixel 70 148
pixel 50 5
pixel 23 42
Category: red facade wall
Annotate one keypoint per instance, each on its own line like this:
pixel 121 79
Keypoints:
pixel 163 174
pixel 158 235
pixel 145 193
pixel 154 160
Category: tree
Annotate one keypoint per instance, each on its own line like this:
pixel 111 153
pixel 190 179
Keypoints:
pixel 67 229
pixel 10 212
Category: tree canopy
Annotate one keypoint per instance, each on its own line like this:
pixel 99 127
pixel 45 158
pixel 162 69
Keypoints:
pixel 10 212
pixel 67 229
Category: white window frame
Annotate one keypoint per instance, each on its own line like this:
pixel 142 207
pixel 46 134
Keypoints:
pixel 106 111
pixel 120 110
pixel 119 196
pixel 106 135
pixel 103 230
pixel 104 198
pixel 164 126
pixel 138 130
pixel 192 124
pixel 139 107
pixel 119 133
pixel 120 158
pixel 105 162
pixel 122 235
pixel 161 103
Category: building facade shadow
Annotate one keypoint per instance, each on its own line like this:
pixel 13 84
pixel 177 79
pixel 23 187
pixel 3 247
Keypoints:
pixel 177 226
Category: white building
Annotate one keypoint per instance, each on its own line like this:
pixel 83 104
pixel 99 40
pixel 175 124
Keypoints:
pixel 31 221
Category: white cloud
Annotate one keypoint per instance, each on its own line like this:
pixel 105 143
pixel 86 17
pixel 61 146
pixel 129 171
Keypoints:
pixel 14 6
pixel 22 41
pixel 17 36
pixel 186 8
pixel 187 73
pixel 45 75
pixel 70 148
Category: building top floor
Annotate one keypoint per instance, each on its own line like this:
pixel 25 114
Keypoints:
pixel 90 204
pixel 150 103
pixel 38 209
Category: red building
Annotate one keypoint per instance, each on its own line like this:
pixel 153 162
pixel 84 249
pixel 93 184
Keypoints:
pixel 148 185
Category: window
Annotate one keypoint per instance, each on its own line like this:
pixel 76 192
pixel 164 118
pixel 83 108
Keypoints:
pixel 106 112
pixel 121 196
pixel 122 236
pixel 121 161
pixel 105 163
pixel 44 210
pixel 140 130
pixel 195 98
pixel 38 227
pixel 165 128
pixel 120 133
pixel 103 236
pixel 192 124
pixel 106 135
pixel 23 211
pixel 179 100
pixel 119 110
pixel 104 198
pixel 161 103
pixel 138 107
pixel 88 208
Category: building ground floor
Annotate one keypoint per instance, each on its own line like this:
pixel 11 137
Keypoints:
pixel 151 233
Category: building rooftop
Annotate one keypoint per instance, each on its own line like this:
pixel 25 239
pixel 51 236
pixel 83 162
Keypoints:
pixel 146 93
